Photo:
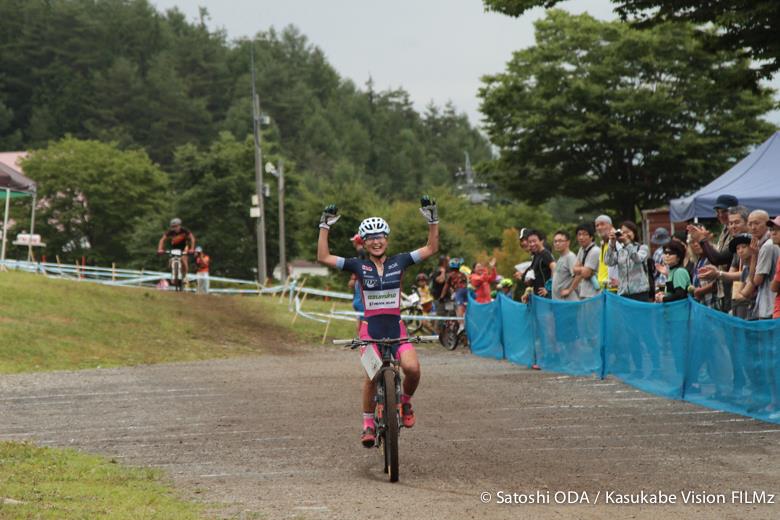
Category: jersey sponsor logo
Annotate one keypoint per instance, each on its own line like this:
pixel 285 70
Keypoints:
pixel 382 299
pixel 370 284
pixel 394 265
pixel 393 273
pixel 367 268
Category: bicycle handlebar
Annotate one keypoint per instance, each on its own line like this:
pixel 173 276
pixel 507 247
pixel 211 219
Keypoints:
pixel 355 343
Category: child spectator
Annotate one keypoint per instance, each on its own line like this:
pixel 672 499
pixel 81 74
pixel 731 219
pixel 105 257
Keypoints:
pixel 481 279
pixel 705 292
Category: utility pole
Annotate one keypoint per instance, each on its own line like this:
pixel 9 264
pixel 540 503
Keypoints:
pixel 260 225
pixel 278 172
pixel 282 249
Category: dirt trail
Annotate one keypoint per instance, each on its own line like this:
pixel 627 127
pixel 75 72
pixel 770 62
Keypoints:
pixel 277 435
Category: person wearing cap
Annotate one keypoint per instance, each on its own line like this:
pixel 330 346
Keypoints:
pixel 678 280
pixel 607 275
pixel 762 264
pixel 203 263
pixel 660 237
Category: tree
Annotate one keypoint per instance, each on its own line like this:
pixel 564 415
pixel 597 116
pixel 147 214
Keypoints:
pixel 751 26
pixel 623 119
pixel 94 197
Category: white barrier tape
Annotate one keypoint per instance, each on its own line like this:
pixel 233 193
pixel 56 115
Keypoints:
pixel 423 317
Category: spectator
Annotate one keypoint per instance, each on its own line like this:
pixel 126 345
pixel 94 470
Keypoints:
pixel 762 264
pixel 202 262
pixel 539 275
pixel 774 229
pixel 455 288
pixel 660 238
pixel 587 265
pixel 630 259
pixel 721 258
pixel 678 279
pixel 505 286
pixel 563 276
pixel 705 292
pixel 742 298
pixel 424 292
pixel 481 279
pixel 607 275
pixel 437 279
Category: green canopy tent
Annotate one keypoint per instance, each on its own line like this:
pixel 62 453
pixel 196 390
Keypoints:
pixel 13 184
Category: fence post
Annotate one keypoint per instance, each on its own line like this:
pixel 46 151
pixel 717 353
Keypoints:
pixel 327 325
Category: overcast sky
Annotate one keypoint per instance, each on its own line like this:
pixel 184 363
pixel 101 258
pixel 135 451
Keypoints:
pixel 437 50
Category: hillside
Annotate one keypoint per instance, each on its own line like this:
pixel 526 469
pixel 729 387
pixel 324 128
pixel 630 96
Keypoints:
pixel 49 324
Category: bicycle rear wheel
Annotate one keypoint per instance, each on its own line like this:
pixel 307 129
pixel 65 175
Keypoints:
pixel 391 425
pixel 413 326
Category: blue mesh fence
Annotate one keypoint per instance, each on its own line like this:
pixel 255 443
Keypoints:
pixel 517 333
pixel 568 335
pixel 644 344
pixel 483 327
pixel 676 350
pixel 733 364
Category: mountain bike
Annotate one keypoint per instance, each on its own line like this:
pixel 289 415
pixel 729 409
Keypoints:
pixel 384 369
pixel 177 276
pixel 450 335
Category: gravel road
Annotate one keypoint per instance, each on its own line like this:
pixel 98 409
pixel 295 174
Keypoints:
pixel 276 436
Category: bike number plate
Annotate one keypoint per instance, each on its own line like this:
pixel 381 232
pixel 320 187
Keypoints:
pixel 175 252
pixel 371 361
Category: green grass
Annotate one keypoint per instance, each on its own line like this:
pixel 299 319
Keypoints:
pixel 48 324
pixel 56 483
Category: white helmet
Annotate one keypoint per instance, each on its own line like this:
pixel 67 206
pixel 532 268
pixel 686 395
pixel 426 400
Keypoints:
pixel 372 226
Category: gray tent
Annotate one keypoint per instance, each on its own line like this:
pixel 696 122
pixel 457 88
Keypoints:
pixel 755 181
pixel 14 184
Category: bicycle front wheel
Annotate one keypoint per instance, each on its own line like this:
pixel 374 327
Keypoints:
pixel 391 425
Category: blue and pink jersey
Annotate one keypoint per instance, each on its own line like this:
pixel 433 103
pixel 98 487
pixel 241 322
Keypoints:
pixel 381 293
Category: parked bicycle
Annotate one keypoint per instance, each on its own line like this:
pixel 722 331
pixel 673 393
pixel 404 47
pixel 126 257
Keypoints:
pixel 385 370
pixel 451 336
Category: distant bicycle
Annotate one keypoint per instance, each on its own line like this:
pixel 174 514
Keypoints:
pixel 175 264
pixel 385 370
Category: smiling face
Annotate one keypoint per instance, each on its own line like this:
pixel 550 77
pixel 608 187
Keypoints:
pixel 376 245
pixel 737 225
pixel 627 233
pixel 534 244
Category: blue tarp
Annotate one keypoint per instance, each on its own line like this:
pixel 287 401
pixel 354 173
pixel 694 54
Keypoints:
pixel 753 180
pixel 679 350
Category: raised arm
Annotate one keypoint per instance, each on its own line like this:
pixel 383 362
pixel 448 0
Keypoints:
pixel 431 213
pixel 329 217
